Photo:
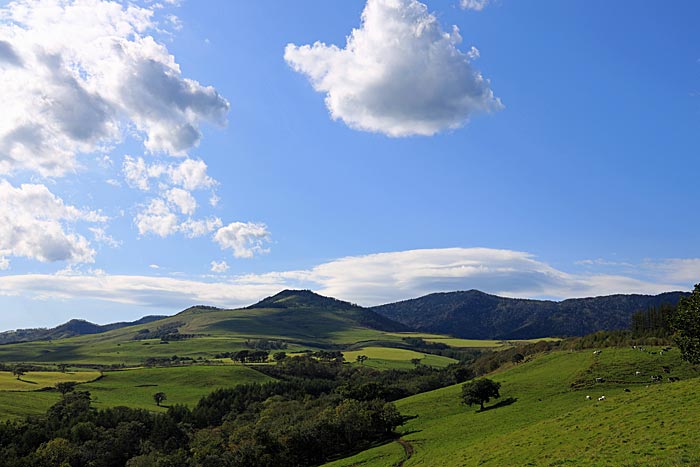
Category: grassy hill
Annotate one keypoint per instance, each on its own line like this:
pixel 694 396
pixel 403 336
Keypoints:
pixel 131 387
pixel 550 423
pixel 299 318
pixel 74 327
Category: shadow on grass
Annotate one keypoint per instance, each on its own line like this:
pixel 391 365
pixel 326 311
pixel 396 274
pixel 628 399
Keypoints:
pixel 503 403
pixel 27 381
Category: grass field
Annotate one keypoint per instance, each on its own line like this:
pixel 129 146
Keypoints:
pixel 216 331
pixel 383 358
pixel 135 388
pixel 14 405
pixel 35 380
pixel 549 424
pixel 182 385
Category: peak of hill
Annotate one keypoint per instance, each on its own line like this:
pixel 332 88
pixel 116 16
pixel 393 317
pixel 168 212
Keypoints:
pixel 72 328
pixel 302 299
pixel 296 302
pixel 478 315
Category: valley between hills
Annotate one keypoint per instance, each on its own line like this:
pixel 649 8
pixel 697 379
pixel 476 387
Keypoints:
pixel 374 386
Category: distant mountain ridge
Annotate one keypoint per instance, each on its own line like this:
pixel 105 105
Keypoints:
pixel 467 314
pixel 74 327
pixel 478 315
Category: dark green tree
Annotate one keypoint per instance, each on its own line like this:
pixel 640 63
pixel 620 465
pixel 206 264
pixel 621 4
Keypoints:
pixel 159 397
pixel 480 391
pixel 279 356
pixel 19 371
pixel 64 387
pixel 686 326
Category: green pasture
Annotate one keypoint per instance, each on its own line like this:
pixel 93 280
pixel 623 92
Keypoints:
pixel 486 343
pixel 135 388
pixel 96 351
pixel 35 380
pixel 551 424
pixel 14 405
pixel 384 358
pixel 182 385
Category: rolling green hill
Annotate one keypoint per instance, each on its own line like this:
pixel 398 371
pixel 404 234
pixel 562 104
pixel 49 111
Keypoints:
pixel 301 319
pixel 549 423
pixel 74 327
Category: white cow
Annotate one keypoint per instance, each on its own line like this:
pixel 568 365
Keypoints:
pixel 588 398
pixel 601 398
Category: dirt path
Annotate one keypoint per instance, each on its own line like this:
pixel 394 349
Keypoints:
pixel 407 449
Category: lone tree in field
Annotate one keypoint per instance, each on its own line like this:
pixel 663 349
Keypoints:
pixel 159 397
pixel 480 391
pixel 18 371
pixel 361 359
pixel 685 324
pixel 64 387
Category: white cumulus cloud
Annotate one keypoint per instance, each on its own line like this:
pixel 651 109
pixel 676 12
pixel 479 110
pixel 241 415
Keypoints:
pixel 476 5
pixel 399 74
pixel 34 223
pixel 246 239
pixel 76 73
pixel 219 266
pixel 182 199
pixel 193 228
pixel 157 218
pixel 191 174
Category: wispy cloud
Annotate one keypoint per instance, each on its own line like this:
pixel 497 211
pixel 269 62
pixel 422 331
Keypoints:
pixel 475 5
pixel 369 280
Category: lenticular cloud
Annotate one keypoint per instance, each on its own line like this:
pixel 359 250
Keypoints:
pixel 399 74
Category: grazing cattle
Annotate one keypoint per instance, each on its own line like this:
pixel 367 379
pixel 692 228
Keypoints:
pixel 588 398
pixel 601 398
pixel 597 352
pixel 656 378
pixel 627 390
pixel 673 379
pixel 599 380
pixel 666 369
pixel 637 373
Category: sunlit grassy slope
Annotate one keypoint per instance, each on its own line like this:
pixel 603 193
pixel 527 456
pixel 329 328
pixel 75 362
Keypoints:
pixel 181 385
pixel 551 424
pixel 36 380
pixel 300 318
pixel 135 388
pixel 383 357
pixel 215 331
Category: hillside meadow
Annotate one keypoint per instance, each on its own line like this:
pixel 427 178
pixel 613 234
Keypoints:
pixel 544 422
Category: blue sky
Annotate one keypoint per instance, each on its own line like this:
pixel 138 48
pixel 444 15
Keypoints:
pixel 156 155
